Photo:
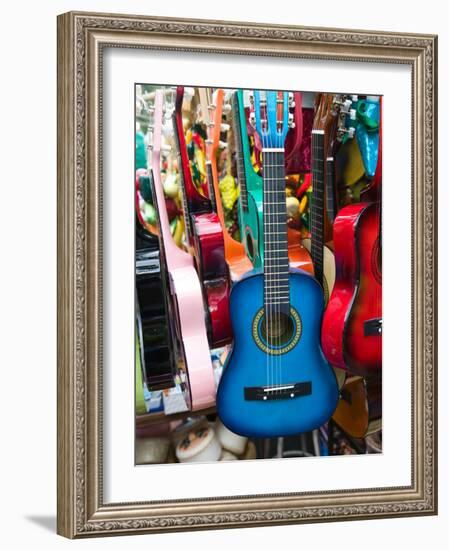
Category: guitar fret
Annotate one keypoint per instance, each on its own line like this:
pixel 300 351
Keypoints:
pixel 276 262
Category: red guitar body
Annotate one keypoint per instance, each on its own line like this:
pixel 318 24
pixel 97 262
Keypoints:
pixel 351 335
pixel 205 235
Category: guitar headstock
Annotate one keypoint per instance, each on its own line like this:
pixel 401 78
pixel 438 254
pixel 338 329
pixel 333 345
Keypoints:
pixel 345 127
pixel 271 117
pixel 160 109
pixel 212 106
pixel 333 117
pixel 325 113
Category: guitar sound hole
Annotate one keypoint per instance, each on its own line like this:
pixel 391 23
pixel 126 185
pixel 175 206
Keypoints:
pixel 249 245
pixel 278 330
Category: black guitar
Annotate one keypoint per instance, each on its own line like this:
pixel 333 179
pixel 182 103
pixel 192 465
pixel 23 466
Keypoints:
pixel 152 312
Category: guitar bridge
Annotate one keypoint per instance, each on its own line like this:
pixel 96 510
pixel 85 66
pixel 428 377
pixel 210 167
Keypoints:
pixel 271 393
pixel 372 327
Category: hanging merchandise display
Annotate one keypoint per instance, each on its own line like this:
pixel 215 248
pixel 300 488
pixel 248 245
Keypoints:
pixel 258 274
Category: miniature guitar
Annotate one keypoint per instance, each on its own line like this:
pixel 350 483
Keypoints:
pixel 212 109
pixel 205 234
pixel 359 411
pixel 276 381
pixel 184 285
pixel 352 328
pixel 322 256
pixel 153 322
pixel 251 190
pixel 338 133
pixel 251 186
pixel 352 324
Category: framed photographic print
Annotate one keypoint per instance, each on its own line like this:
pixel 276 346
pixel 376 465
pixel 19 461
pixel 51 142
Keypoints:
pixel 246 274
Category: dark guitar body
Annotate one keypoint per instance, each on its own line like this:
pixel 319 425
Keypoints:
pixel 351 334
pixel 153 325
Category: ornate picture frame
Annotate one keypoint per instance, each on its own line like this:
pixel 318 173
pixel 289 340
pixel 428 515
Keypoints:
pixel 82 38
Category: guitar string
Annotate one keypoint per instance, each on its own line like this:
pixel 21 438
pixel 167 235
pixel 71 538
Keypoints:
pixel 275 240
pixel 266 315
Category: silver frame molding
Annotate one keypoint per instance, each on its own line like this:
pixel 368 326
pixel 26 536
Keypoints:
pixel 81 39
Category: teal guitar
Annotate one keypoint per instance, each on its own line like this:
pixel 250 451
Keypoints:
pixel 276 381
pixel 250 206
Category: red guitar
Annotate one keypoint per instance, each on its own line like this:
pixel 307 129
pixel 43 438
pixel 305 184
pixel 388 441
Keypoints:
pixel 205 235
pixel 351 334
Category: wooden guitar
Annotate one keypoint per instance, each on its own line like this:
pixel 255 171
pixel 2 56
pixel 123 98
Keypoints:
pixel 327 132
pixel 212 110
pixel 324 125
pixel 359 411
pixel 276 381
pixel 184 285
pixel 204 234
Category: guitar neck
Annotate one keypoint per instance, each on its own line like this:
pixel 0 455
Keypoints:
pixel 210 185
pixel 174 256
pixel 331 196
pixel 238 137
pixel 276 263
pixel 317 209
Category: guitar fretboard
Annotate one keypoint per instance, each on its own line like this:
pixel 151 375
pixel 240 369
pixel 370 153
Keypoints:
pixel 276 264
pixel 239 150
pixel 317 209
pixel 331 199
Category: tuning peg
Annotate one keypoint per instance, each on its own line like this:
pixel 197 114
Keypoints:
pixel 224 127
pixel 354 98
pixel 352 114
pixel 346 106
pixel 350 132
pixel 222 144
pixel 166 148
pixel 227 108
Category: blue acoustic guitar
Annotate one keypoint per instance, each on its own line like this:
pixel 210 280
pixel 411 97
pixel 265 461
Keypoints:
pixel 250 207
pixel 276 381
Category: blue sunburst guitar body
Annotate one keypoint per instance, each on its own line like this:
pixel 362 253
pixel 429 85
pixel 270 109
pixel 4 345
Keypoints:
pixel 302 370
pixel 276 380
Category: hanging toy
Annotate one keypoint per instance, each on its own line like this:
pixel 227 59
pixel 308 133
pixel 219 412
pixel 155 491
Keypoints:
pixel 149 213
pixel 171 185
pixel 293 208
